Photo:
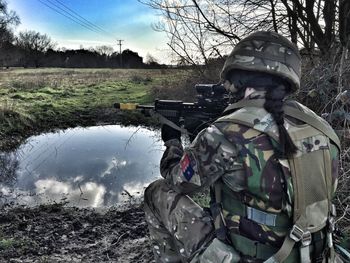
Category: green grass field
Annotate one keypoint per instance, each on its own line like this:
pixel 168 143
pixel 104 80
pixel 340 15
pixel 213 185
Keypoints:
pixel 37 100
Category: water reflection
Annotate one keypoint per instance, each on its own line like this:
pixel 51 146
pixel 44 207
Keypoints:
pixel 8 167
pixel 97 166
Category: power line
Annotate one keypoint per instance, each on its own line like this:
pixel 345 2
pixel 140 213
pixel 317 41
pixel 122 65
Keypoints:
pixel 73 17
pixel 57 11
pixel 87 21
pixel 48 156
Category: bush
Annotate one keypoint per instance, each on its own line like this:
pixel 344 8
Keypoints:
pixel 28 84
pixel 182 90
pixel 139 79
pixel 324 92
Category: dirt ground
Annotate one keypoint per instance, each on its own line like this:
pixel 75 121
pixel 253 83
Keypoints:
pixel 56 233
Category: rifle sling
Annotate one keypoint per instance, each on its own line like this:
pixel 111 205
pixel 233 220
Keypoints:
pixel 164 120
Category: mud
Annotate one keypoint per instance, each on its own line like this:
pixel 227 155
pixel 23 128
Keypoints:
pixel 56 233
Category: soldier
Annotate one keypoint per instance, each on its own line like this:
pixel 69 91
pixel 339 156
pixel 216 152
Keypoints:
pixel 271 164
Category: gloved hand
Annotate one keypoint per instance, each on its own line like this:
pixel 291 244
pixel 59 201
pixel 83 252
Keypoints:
pixel 169 133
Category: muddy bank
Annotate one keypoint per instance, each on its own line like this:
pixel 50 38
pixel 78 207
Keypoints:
pixel 14 138
pixel 55 233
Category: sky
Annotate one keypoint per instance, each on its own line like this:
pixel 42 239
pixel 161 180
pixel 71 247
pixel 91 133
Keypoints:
pixel 128 20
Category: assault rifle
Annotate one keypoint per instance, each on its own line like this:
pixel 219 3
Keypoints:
pixel 188 117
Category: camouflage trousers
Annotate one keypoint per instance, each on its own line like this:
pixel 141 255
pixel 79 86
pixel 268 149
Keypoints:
pixel 179 228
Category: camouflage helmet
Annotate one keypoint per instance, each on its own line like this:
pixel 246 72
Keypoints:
pixel 267 52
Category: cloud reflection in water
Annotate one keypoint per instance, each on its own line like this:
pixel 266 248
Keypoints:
pixel 88 194
pixel 87 167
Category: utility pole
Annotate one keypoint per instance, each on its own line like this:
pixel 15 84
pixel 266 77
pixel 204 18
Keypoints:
pixel 120 51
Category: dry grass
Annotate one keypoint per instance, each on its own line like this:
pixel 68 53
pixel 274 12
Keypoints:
pixel 54 77
pixel 37 100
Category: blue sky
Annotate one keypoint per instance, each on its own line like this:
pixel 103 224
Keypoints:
pixel 129 20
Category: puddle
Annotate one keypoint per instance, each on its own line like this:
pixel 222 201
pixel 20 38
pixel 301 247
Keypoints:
pixel 87 167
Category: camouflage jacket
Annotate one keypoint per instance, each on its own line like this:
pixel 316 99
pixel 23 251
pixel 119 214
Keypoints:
pixel 243 158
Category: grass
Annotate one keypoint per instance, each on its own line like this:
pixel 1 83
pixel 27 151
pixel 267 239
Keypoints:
pixel 202 198
pixel 37 100
pixel 7 243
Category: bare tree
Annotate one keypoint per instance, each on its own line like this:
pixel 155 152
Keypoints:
pixel 104 50
pixel 8 18
pixel 344 37
pixel 199 30
pixel 151 59
pixel 344 23
pixel 32 40
pixel 34 45
pixel 192 35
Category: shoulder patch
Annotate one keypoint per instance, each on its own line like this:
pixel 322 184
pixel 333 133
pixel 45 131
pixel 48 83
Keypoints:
pixel 186 167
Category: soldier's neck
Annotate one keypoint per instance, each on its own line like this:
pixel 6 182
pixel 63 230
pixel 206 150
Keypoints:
pixel 251 93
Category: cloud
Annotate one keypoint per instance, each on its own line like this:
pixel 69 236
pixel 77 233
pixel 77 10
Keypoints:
pixel 88 194
pixel 113 166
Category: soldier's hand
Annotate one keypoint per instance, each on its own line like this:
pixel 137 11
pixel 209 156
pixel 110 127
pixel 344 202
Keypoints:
pixel 169 133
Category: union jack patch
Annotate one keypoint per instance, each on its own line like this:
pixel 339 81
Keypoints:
pixel 186 167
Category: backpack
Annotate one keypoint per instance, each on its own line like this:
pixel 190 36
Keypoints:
pixel 310 170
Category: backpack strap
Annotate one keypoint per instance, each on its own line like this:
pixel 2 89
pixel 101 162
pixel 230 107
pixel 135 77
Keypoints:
pixel 217 214
pixel 300 232
pixel 314 121
pixel 259 103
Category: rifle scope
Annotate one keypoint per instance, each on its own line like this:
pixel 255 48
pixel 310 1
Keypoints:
pixel 210 90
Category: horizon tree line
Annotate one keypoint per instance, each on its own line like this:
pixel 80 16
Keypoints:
pixel 33 49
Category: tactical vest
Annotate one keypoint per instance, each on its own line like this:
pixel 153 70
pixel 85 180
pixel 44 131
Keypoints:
pixel 310 171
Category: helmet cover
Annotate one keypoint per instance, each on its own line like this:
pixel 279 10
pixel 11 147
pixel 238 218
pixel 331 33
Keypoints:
pixel 266 52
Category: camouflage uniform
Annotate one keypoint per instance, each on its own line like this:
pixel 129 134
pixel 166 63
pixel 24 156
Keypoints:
pixel 256 191
pixel 243 159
